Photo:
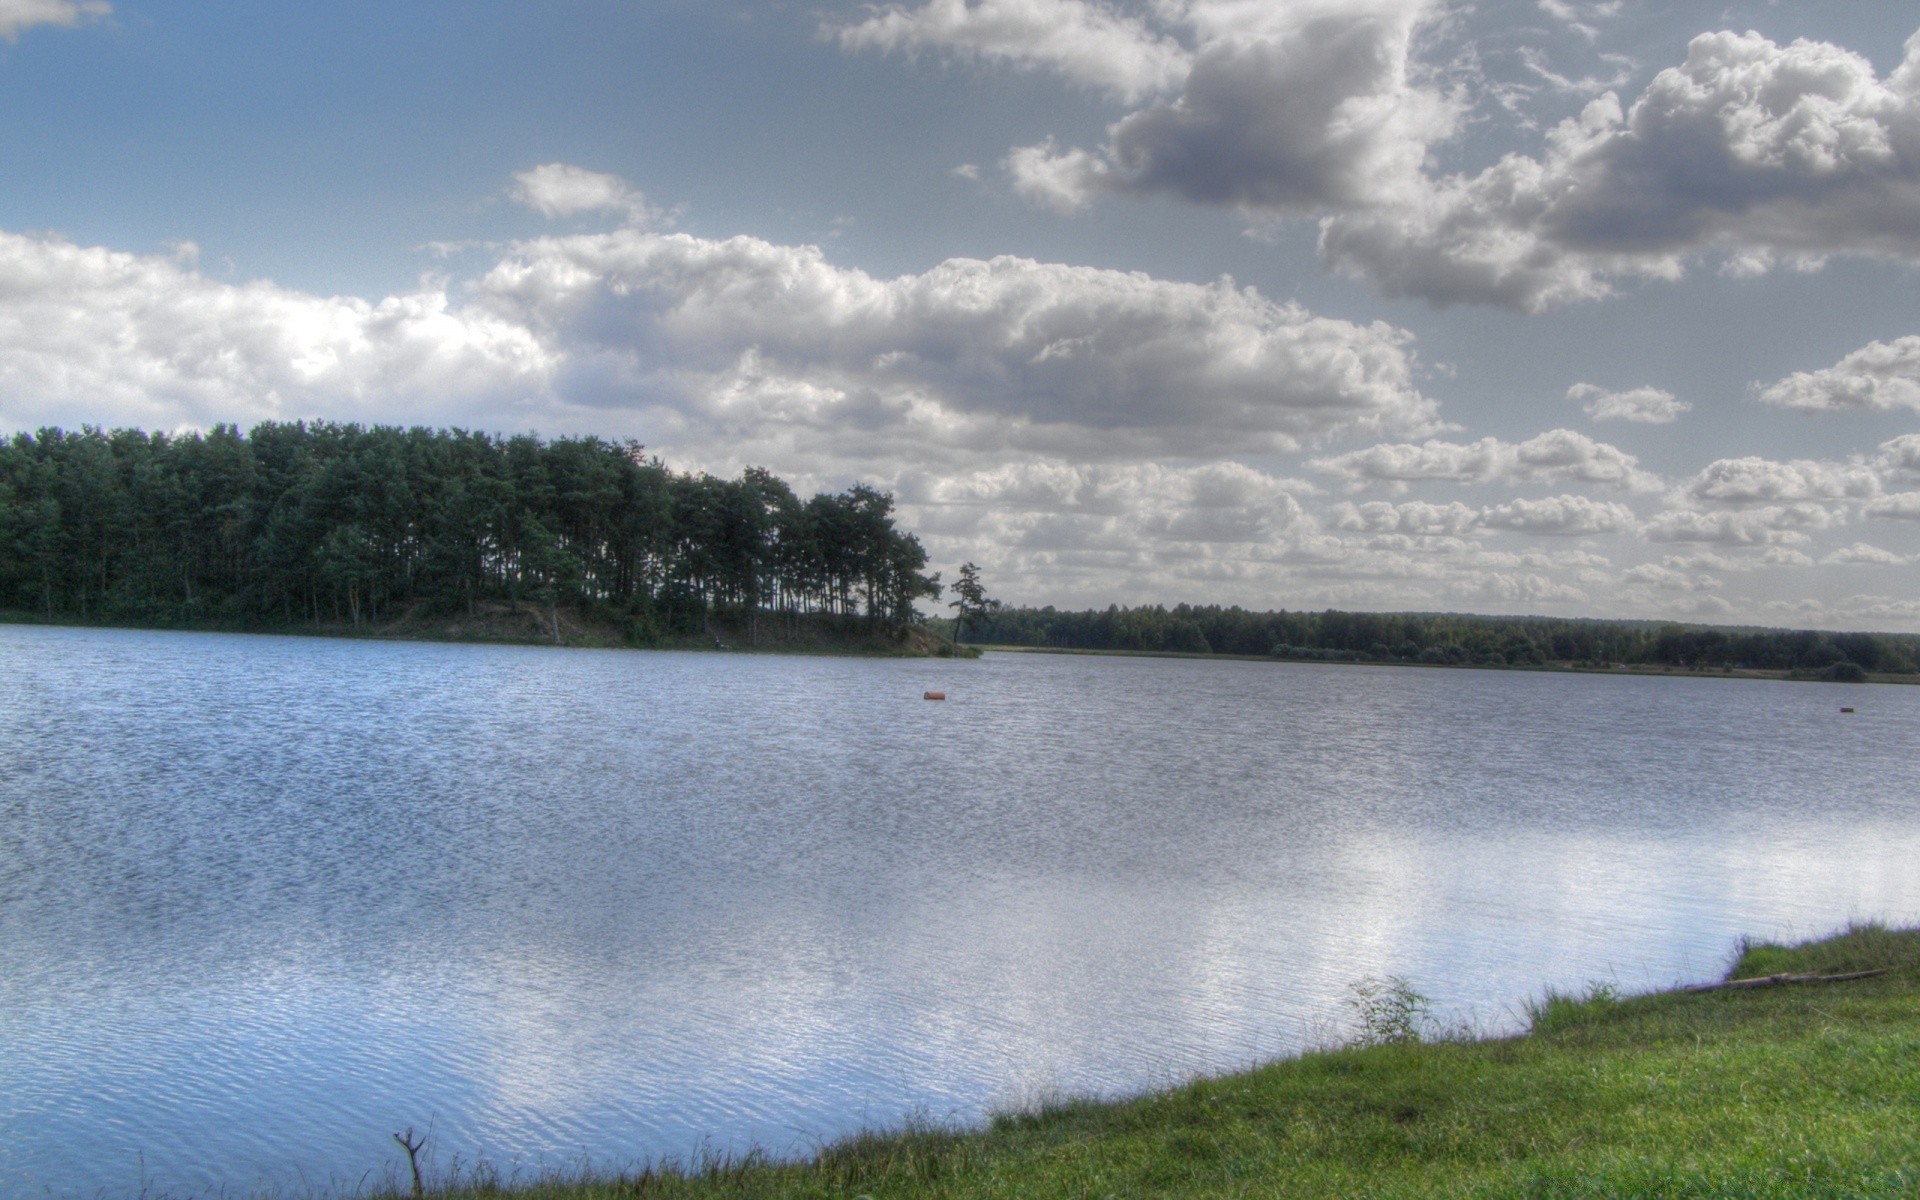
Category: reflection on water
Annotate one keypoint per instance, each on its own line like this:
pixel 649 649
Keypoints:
pixel 264 901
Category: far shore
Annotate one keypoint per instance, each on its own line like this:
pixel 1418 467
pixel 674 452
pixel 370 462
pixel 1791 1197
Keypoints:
pixel 1559 668
pixel 528 624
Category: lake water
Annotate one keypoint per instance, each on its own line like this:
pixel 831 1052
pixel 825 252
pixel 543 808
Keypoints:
pixel 265 901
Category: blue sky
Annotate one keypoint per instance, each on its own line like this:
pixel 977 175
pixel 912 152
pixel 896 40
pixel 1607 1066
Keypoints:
pixel 1559 306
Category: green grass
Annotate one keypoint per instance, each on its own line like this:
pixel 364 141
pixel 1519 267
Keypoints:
pixel 1806 1090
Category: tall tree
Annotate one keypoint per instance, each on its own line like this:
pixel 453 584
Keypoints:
pixel 970 600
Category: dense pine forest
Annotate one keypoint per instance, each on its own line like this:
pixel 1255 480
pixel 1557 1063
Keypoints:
pixel 321 524
pixel 1448 639
pixel 314 524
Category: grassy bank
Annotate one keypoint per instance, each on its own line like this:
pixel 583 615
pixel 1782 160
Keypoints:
pixel 1786 1091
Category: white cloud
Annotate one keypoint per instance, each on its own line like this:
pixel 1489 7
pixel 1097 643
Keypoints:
pixel 1757 153
pixel 1900 457
pixel 1901 506
pixel 1561 516
pixel 1009 350
pixel 1502 588
pixel 1288 109
pixel 563 190
pixel 1879 376
pixel 1860 554
pixel 1643 405
pixel 1555 516
pixel 1146 509
pixel 1414 519
pixel 1559 455
pixel 150 341
pixel 18 16
pixel 1774 524
pixel 1668 578
pixel 1869 612
pixel 1580 18
pixel 1750 480
pixel 744 340
pixel 1709 560
pixel 1087 42
pixel 1783 556
pixel 1062 181
pixel 1763 150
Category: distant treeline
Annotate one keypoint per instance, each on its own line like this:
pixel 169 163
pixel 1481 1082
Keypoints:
pixel 318 523
pixel 1445 639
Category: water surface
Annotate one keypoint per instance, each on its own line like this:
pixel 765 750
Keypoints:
pixel 264 901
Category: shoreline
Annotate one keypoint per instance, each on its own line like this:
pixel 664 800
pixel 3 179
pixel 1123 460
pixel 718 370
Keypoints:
pixel 1794 1082
pixel 528 625
pixel 917 641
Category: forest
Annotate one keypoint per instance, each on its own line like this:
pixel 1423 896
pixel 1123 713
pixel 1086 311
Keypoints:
pixel 1448 639
pixel 316 524
pixel 312 524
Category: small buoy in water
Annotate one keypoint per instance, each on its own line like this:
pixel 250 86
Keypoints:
pixel 943 696
pixel 1846 710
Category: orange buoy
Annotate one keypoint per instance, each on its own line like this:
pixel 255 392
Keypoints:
pixel 936 695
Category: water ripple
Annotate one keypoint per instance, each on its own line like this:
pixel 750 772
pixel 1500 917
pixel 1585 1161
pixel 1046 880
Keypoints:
pixel 264 901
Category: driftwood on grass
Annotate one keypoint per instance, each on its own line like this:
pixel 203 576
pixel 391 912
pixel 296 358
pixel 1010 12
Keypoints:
pixel 1760 981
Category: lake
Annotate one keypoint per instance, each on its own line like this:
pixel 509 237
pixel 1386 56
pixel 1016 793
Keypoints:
pixel 265 901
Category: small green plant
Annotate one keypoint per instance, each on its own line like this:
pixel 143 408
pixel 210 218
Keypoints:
pixel 1560 1010
pixel 1387 1011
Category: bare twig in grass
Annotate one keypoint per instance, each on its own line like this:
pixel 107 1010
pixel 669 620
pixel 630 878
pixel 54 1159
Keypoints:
pixel 412 1147
pixel 1760 981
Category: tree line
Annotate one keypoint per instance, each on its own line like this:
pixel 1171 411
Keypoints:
pixel 315 523
pixel 1445 638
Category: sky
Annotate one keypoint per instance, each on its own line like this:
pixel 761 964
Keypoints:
pixel 1570 307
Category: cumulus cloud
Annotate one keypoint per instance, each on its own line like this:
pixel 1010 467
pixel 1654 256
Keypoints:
pixel 149 340
pixel 1773 524
pixel 1751 480
pixel 1668 577
pixel 17 16
pixel 564 190
pixel 771 345
pixel 1288 109
pixel 1559 455
pixel 1644 405
pixel 1047 354
pixel 1751 147
pixel 1144 509
pixel 1065 182
pixel 1561 516
pixel 1414 519
pixel 1860 554
pixel 1879 376
pixel 1899 458
pixel 1502 588
pixel 1555 516
pixel 1901 506
pixel 1757 153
